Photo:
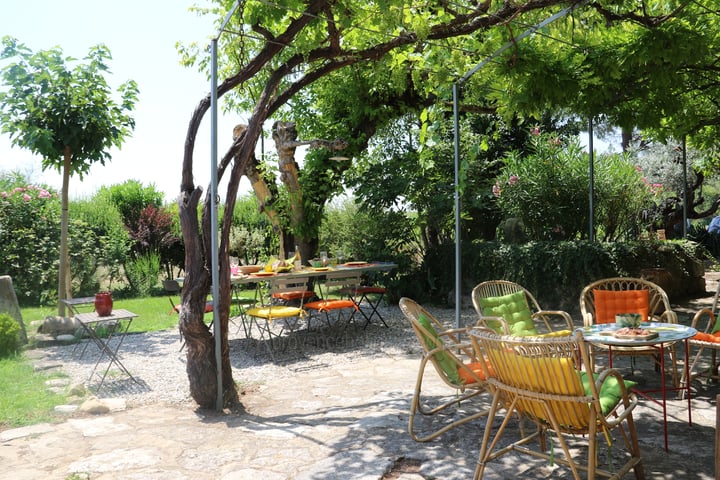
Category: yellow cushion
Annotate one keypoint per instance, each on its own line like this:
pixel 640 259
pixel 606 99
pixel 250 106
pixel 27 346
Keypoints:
pixel 609 303
pixel 557 333
pixel 556 376
pixel 275 312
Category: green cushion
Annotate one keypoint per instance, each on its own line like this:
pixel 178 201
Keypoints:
pixel 514 309
pixel 446 363
pixel 610 393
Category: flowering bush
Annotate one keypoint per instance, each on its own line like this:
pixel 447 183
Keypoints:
pixel 548 191
pixel 30 244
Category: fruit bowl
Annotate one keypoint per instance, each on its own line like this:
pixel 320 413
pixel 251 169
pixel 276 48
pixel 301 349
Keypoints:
pixel 248 269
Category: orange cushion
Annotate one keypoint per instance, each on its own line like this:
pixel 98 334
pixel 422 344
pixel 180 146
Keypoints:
pixel 609 303
pixel 208 308
pixel 706 337
pixel 370 289
pixel 327 305
pixel 477 369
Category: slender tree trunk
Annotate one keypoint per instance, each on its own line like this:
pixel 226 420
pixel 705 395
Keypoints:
pixel 64 278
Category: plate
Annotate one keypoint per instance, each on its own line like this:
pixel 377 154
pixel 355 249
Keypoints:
pixel 355 264
pixel 321 269
pixel 264 274
pixel 648 336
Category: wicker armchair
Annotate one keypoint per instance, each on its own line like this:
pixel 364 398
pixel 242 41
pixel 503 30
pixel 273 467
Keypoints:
pixel 454 361
pixel 658 310
pixel 708 325
pixel 490 294
pixel 540 380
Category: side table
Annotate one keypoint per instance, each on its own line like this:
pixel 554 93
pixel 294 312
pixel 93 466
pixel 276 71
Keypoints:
pixel 92 321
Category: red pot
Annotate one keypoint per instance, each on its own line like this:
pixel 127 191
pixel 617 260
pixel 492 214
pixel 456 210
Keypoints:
pixel 103 304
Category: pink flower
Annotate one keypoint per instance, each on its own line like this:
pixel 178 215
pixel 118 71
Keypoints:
pixel 44 194
pixel 535 131
pixel 496 190
pixel 513 179
pixel 3 194
pixel 26 197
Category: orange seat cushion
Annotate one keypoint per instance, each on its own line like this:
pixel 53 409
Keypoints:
pixel 477 369
pixel 370 289
pixel 208 307
pixel 609 303
pixel 327 305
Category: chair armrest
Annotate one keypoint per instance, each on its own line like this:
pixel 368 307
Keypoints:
pixel 483 322
pixel 554 313
pixel 709 326
pixel 668 316
pixel 628 400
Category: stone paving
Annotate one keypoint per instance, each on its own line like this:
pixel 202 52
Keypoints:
pixel 327 422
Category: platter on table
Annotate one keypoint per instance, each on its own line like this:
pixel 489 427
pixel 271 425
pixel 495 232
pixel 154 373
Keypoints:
pixel 355 264
pixel 264 274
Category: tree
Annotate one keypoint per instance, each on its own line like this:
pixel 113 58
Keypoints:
pixel 279 51
pixel 66 115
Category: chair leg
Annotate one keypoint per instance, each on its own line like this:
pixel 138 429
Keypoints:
pixel 373 308
pixel 416 406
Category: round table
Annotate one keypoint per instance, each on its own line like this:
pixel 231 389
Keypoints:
pixel 667 334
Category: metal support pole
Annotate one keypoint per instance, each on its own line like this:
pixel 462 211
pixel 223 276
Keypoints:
pixel 591 173
pixel 215 274
pixel 458 281
pixel 214 224
pixel 684 198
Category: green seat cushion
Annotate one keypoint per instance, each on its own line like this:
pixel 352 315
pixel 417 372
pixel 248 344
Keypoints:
pixel 610 393
pixel 443 360
pixel 514 309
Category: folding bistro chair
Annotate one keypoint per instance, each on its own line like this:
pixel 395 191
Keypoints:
pixel 541 379
pixel 508 308
pixel 173 288
pixel 272 312
pixel 601 300
pixel 336 285
pixel 456 363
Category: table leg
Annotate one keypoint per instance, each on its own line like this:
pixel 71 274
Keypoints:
pixel 105 349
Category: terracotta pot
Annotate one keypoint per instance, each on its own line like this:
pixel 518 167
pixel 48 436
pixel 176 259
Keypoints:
pixel 103 304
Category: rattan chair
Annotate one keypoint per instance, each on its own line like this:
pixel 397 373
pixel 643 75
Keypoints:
pixel 540 379
pixel 488 296
pixel 453 360
pixel 707 324
pixel 658 310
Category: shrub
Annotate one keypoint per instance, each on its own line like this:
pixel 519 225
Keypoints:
pixel 30 245
pixel 548 192
pixel 9 335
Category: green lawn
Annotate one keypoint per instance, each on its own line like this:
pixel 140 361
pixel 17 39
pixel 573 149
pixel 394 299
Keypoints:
pixel 24 399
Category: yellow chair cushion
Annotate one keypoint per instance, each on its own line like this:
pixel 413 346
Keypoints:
pixel 275 312
pixel 609 303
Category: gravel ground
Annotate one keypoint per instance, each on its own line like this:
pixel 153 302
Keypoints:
pixel 157 360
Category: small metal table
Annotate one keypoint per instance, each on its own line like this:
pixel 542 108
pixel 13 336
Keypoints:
pixel 118 322
pixel 667 334
pixel 73 304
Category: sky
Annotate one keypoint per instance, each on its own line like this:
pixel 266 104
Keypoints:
pixel 141 36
